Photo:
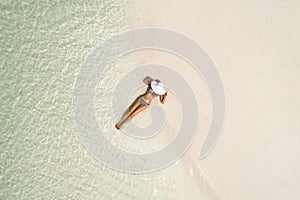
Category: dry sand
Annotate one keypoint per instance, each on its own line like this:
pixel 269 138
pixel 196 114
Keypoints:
pixel 255 46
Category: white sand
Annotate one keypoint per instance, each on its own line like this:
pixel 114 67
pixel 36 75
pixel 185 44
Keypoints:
pixel 255 47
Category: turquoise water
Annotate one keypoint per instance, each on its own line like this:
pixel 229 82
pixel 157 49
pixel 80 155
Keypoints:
pixel 43 44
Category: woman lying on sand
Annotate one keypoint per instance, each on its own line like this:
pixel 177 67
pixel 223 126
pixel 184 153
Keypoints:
pixel 155 88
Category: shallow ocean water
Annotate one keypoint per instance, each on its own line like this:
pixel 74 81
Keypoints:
pixel 43 44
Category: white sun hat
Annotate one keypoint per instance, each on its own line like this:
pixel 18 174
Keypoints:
pixel 158 87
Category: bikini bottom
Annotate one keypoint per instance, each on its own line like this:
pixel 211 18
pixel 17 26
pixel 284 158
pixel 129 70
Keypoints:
pixel 143 102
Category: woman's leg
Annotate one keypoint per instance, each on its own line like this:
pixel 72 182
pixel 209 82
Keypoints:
pixel 122 120
pixel 133 114
pixel 135 105
pixel 126 116
pixel 138 110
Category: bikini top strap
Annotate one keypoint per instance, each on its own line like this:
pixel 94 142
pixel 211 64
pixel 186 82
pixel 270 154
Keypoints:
pixel 149 91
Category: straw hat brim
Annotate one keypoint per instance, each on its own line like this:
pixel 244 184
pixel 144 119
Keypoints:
pixel 158 87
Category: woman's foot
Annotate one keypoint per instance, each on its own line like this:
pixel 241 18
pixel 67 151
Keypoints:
pixel 117 127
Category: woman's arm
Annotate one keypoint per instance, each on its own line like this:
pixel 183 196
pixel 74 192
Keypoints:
pixel 148 80
pixel 162 98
